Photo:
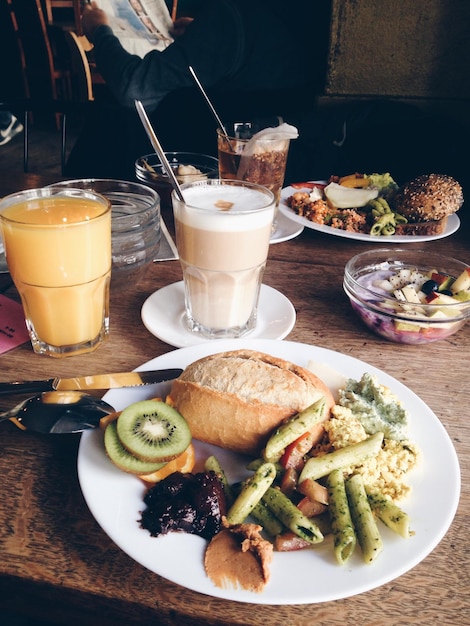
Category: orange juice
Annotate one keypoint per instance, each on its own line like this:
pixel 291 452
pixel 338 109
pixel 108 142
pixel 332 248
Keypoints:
pixel 58 250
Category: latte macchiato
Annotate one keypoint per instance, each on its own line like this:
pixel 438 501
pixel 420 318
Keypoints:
pixel 222 235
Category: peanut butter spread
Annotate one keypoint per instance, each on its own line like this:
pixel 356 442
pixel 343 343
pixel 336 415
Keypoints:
pixel 238 556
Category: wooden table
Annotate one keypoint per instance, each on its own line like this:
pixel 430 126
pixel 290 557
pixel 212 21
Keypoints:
pixel 57 563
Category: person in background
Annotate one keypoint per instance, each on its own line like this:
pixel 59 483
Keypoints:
pixel 257 59
pixel 9 127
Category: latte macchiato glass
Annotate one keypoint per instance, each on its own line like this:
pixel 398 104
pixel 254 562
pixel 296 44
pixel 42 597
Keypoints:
pixel 223 229
pixel 58 251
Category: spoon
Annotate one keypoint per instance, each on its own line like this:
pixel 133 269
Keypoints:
pixel 158 148
pixel 58 412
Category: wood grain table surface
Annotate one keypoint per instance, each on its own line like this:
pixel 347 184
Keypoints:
pixel 56 563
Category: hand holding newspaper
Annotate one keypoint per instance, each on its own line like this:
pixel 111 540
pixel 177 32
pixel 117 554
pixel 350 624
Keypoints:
pixel 140 25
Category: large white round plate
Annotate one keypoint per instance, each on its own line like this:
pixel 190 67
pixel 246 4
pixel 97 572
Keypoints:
pixel 453 224
pixel 115 498
pixel 163 315
pixel 285 229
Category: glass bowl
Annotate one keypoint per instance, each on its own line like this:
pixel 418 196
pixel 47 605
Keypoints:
pixel 135 225
pixel 149 170
pixel 380 284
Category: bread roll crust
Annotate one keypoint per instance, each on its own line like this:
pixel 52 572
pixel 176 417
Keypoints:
pixel 236 399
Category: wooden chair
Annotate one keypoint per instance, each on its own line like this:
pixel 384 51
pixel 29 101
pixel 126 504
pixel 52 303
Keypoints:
pixel 47 76
pixel 54 73
pixel 72 8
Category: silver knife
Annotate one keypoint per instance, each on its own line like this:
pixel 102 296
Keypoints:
pixel 99 381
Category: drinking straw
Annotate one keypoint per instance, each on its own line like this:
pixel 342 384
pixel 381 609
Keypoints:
pixel 158 149
pixel 211 107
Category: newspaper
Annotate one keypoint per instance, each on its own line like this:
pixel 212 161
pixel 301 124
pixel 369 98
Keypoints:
pixel 140 25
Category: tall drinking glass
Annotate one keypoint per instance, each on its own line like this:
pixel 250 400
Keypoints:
pixel 223 229
pixel 262 162
pixel 58 250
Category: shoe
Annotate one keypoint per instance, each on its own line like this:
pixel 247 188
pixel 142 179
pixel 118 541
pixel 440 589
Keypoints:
pixel 12 129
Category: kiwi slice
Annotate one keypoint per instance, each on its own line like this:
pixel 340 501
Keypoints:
pixel 124 459
pixel 153 431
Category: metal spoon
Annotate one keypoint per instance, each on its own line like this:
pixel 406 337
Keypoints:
pixel 59 412
pixel 158 148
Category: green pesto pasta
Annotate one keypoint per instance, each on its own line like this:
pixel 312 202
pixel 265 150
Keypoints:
pixel 319 466
pixel 263 515
pixel 292 429
pixel 341 523
pixel 286 511
pixel 363 519
pixel 252 491
pixel 389 513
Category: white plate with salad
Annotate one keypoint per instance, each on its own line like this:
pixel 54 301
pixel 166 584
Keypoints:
pixel 453 221
pixel 115 499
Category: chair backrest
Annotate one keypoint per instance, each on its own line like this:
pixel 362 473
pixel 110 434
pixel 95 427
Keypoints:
pixel 37 51
pixel 71 8
pixel 81 83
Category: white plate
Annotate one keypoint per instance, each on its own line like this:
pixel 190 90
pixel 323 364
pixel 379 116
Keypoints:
pixel 286 229
pixel 311 576
pixel 453 224
pixel 163 315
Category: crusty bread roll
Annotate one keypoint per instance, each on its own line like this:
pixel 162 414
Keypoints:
pixel 236 399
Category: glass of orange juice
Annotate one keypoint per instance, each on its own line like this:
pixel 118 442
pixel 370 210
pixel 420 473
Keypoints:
pixel 58 251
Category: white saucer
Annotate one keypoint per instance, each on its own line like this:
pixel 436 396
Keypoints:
pixel 163 315
pixel 285 229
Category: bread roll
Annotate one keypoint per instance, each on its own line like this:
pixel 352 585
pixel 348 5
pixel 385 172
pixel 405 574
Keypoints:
pixel 430 197
pixel 236 399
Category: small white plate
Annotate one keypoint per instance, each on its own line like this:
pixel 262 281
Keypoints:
pixel 285 229
pixel 453 224
pixel 163 315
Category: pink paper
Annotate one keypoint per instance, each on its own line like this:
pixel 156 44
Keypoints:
pixel 13 331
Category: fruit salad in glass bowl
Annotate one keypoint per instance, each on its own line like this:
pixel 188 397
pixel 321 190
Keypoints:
pixel 409 296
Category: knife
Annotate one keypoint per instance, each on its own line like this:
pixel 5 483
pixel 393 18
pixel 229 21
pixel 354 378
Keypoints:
pixel 100 381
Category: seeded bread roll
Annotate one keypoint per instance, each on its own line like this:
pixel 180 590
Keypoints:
pixel 236 399
pixel 431 197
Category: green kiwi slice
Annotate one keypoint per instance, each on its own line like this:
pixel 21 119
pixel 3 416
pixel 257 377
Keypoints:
pixel 153 431
pixel 124 459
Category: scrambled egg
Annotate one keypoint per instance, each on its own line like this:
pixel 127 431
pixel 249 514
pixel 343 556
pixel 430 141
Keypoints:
pixel 366 414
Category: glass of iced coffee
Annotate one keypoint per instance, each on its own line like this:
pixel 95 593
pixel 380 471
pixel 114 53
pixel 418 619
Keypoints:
pixel 261 159
pixel 223 228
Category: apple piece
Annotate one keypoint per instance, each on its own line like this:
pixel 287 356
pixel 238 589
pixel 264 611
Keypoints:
pixel 440 315
pixel 462 282
pixel 407 326
pixel 439 278
pixel 436 298
pixel 444 281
